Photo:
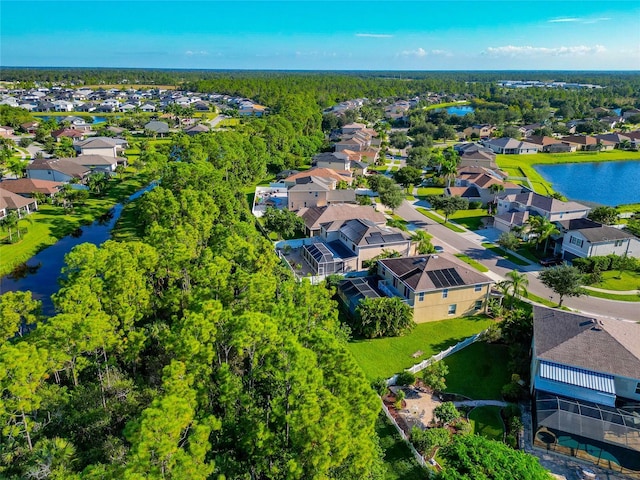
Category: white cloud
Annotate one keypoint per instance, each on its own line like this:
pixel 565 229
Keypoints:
pixel 583 20
pixel 513 51
pixel 191 53
pixel 421 52
pixel 374 35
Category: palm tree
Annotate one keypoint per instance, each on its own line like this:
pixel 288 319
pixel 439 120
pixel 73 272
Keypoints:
pixel 423 239
pixel 517 282
pixel 543 228
pixel 496 188
pixel 11 222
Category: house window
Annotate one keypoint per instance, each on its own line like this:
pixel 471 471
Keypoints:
pixel 421 297
pixel 618 243
pixel 477 288
pixel 638 389
pixel 478 305
pixel 452 309
pixel 576 241
pixel 445 293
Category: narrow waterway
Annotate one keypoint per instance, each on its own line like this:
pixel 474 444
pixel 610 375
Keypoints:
pixel 41 272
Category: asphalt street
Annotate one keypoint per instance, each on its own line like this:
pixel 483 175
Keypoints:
pixel 470 244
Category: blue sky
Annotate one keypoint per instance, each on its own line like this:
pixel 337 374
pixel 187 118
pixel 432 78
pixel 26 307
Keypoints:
pixel 324 35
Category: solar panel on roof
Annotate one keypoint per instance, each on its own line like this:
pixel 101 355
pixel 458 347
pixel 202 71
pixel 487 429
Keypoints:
pixel 446 277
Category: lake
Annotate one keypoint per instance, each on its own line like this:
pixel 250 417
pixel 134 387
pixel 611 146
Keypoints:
pixel 41 272
pixel 96 119
pixel 605 183
pixel 460 111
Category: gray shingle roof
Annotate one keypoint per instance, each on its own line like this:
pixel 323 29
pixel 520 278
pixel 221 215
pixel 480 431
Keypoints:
pixel 598 344
pixel 365 232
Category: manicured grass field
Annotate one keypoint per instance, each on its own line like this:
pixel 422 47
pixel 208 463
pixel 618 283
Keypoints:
pixel 477 265
pixel 398 460
pixel 383 357
pixel 499 251
pixel 471 219
pixel 610 296
pixel 51 223
pixel 614 280
pixel 486 421
pixel 424 191
pixel 478 371
pixel 436 218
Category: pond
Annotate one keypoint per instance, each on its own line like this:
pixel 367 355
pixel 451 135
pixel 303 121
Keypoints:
pixel 604 183
pixel 96 119
pixel 40 273
pixel 460 111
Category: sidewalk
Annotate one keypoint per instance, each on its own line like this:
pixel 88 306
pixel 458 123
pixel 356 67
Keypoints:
pixel 613 292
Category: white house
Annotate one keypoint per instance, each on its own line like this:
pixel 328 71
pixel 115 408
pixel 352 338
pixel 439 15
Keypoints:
pixel 508 145
pixel 591 239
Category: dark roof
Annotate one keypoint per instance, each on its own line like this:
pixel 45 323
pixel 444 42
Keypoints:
pixel 604 233
pixel 433 272
pixel 158 127
pixel 548 204
pixel 357 288
pixel 314 217
pixel 597 344
pixel 365 232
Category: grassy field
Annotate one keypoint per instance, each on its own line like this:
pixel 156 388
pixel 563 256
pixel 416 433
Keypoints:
pixel 499 251
pixel 424 191
pixel 50 223
pixel 436 218
pixel 398 460
pixel 614 280
pixel 477 265
pixel 486 421
pixel 610 296
pixel 383 357
pixel 471 219
pixel 478 371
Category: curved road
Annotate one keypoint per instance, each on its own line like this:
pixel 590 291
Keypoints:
pixel 470 244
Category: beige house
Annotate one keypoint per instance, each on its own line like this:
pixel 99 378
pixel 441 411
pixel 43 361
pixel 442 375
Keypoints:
pixel 10 201
pixel 435 286
pixel 314 191
pixel 317 217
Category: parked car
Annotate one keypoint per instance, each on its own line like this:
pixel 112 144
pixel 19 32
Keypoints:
pixel 438 248
pixel 551 262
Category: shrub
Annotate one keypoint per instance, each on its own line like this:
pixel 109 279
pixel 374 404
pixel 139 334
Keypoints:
pixel 475 205
pixel 405 378
pixel 446 413
pixel 400 396
pixel 379 386
pixel 427 440
pixel 512 392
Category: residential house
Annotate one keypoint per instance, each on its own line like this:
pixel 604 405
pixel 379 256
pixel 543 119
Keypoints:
pixel 312 191
pixel 196 129
pixel 98 163
pixel 351 128
pixel 480 131
pixel 610 122
pixel 474 184
pixel 331 215
pixel 586 142
pixel 157 128
pixel 473 154
pixel 528 130
pixel 583 238
pixel 252 110
pixel 30 127
pixel 87 107
pixel 10 201
pixel 616 138
pixel 337 176
pixel 6 131
pixel 26 187
pixel 346 245
pixel 62 106
pixel 514 210
pixel 551 144
pixel 57 170
pixel 511 146
pixel 353 290
pixel 148 108
pixel 71 133
pixel 108 146
pixel 630 113
pixel 435 286
pixel 585 384
pixel 333 160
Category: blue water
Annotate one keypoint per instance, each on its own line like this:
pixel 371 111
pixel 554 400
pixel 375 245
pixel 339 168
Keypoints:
pixel 41 272
pixel 605 183
pixel 76 114
pixel 460 111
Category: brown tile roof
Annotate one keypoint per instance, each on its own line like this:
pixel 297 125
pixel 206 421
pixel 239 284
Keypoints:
pixel 597 344
pixel 67 132
pixel 30 185
pixel 66 166
pixel 321 172
pixel 11 201
pixel 414 271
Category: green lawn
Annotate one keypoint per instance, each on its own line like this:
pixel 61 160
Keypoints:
pixel 398 460
pixel 486 421
pixel 543 301
pixel 383 357
pixel 228 122
pixel 51 223
pixel 436 218
pixel 477 265
pixel 614 280
pixel 424 191
pixel 478 371
pixel 471 219
pixel 499 251
pixel 610 296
